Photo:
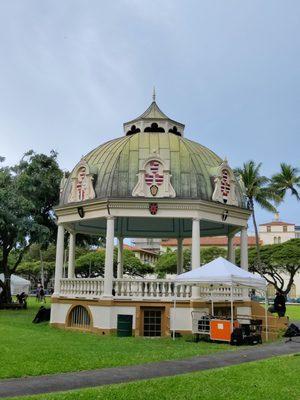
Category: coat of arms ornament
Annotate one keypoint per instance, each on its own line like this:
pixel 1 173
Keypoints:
pixel 82 183
pixel 225 185
pixel 154 179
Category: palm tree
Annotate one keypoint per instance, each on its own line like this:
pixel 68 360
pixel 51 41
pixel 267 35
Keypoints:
pixel 288 179
pixel 258 191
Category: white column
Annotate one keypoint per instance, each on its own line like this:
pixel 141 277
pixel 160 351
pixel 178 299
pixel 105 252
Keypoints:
pixel 120 258
pixel 195 252
pixel 179 256
pixel 71 260
pixel 109 257
pixel 59 258
pixel 231 249
pixel 244 249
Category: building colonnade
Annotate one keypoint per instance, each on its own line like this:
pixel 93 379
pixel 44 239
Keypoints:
pixel 109 254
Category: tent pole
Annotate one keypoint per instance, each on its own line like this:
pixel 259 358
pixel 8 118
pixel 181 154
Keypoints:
pixel 174 311
pixel 266 315
pixel 231 307
pixel 212 303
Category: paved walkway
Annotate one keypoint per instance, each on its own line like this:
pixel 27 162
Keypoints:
pixel 99 377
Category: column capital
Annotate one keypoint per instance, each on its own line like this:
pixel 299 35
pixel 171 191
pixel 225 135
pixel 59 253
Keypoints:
pixel 110 217
pixel 196 219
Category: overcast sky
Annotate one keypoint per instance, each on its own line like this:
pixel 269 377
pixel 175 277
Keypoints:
pixel 71 72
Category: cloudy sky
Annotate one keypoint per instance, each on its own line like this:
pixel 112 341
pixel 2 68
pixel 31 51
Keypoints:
pixel 72 71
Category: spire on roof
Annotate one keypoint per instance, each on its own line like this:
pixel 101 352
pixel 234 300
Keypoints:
pixel 153 120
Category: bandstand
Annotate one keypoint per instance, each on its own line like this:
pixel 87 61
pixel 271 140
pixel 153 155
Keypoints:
pixel 152 183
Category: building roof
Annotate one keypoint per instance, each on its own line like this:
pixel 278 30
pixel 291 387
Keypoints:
pixel 210 241
pixel 115 164
pixel 139 250
pixel 276 223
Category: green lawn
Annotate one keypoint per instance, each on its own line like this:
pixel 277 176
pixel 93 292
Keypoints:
pixel 276 379
pixel 293 312
pixel 30 349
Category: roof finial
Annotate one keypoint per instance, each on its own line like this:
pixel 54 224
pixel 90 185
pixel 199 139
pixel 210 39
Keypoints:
pixel 154 94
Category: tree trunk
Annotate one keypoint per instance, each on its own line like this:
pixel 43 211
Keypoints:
pixel 256 237
pixel 6 293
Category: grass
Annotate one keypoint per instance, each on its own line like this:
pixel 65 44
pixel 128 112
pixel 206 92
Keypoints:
pixel 293 312
pixel 276 379
pixel 35 349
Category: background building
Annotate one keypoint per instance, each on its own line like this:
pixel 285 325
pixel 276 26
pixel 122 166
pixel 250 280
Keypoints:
pixel 217 241
pixel 277 231
pixel 144 255
pixel 147 244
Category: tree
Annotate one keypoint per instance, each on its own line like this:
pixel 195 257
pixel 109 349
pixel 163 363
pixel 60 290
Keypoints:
pixel 32 271
pixel 92 264
pixel 167 262
pixel 132 265
pixel 208 254
pixel 258 191
pixel 31 264
pixel 28 192
pixel 288 179
pixel 277 260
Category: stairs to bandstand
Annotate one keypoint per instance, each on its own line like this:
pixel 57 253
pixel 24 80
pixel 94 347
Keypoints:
pixel 276 325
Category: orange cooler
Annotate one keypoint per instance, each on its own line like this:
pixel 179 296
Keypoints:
pixel 220 329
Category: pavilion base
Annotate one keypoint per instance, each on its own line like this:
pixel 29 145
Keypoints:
pixel 150 318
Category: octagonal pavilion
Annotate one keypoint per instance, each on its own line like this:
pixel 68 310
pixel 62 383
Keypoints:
pixel 152 182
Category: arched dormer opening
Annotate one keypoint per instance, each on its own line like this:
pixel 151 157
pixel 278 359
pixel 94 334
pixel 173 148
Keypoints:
pixel 175 131
pixel 133 130
pixel 154 128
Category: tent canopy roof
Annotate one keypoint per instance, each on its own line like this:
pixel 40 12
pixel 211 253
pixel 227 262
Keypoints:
pixel 221 272
pixel 16 280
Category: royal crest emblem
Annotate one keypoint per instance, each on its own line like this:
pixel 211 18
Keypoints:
pixel 153 208
pixel 154 176
pixel 225 185
pixel 82 183
pixel 154 179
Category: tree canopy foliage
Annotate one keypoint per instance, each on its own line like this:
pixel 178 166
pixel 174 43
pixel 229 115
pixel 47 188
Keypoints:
pixel 276 260
pixel 258 191
pixel 167 262
pixel 286 180
pixel 28 192
pixel 92 264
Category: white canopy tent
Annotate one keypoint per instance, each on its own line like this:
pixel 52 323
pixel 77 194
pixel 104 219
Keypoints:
pixel 221 272
pixel 17 284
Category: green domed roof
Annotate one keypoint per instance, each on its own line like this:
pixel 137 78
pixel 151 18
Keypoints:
pixel 116 164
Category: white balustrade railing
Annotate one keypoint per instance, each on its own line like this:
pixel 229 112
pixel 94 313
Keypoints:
pixel 81 287
pixel 142 289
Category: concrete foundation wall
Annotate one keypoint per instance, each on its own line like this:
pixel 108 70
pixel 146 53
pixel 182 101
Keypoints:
pixel 59 313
